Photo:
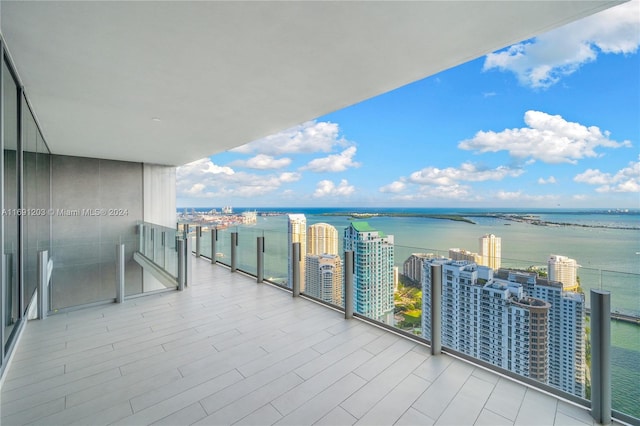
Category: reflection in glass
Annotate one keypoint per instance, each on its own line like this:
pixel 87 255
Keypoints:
pixel 10 118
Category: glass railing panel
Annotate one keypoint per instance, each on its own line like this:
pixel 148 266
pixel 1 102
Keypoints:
pixel 170 251
pixel 625 340
pixel 159 240
pixel 275 256
pixel 159 245
pixel 83 272
pixel 247 247
pixel 223 246
pixel 205 241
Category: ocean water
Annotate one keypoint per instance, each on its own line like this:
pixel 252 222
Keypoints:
pixel 608 257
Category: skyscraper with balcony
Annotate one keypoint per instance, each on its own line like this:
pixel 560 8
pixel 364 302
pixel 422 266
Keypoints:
pixel 489 318
pixel 564 270
pixel 565 339
pixel 322 238
pixel 324 278
pixel 297 231
pixel 567 352
pixel 323 266
pixel 461 254
pixel 412 267
pixel 491 251
pixel 373 270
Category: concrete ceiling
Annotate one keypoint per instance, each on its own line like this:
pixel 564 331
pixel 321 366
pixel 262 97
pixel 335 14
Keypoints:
pixel 220 74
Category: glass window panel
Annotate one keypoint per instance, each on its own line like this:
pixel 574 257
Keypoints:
pixel 10 116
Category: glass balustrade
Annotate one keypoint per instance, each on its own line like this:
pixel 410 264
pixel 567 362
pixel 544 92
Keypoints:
pixel 159 245
pixel 514 319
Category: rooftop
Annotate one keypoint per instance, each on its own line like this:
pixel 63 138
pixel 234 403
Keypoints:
pixel 230 351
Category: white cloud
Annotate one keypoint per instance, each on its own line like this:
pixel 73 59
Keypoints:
pixel 203 167
pixel 394 187
pixel 263 162
pixel 204 179
pixel 521 196
pixel 549 138
pixel 466 172
pixel 625 180
pixel 333 163
pixel 488 94
pixel 326 188
pixel 543 61
pixel 549 180
pixel 307 138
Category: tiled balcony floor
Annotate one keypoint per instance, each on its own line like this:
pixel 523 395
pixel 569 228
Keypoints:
pixel 230 351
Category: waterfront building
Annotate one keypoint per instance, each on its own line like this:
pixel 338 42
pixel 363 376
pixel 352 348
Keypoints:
pixel 322 238
pixel 412 267
pixel 461 254
pixel 373 270
pixel 297 232
pixel 563 269
pixel 566 330
pixel 249 217
pixel 324 278
pixel 513 320
pixel 491 251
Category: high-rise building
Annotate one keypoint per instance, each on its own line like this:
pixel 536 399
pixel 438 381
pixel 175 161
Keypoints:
pixel 461 254
pixel 412 267
pixel 567 352
pixel 373 270
pixel 512 319
pixel 322 238
pixel 564 270
pixel 297 234
pixel 565 339
pixel 491 251
pixel 324 278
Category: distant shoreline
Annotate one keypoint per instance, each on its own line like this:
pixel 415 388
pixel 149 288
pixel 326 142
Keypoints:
pixel 539 222
pixel 522 218
pixel 355 215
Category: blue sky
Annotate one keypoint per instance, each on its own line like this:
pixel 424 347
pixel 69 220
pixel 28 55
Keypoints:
pixel 549 122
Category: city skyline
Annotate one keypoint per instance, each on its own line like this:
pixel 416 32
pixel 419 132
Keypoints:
pixel 548 122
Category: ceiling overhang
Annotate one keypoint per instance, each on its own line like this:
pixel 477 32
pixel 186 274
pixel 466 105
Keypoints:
pixel 169 82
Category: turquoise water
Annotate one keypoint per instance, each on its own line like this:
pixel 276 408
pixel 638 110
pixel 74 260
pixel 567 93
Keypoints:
pixel 607 257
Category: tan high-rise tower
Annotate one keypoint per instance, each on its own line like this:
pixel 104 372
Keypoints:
pixel 297 234
pixel 322 238
pixel 565 270
pixel 491 251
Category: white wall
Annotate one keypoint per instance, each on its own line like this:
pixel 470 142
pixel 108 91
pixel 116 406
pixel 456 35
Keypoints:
pixel 159 191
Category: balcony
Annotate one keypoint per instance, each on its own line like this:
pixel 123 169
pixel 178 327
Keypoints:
pixel 230 351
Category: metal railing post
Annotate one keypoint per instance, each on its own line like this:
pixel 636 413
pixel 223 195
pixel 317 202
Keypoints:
pixel 142 247
pixel 181 263
pixel 198 235
pixel 43 284
pixel 153 244
pixel 436 309
pixel 188 262
pixel 163 243
pixel 601 356
pixel 348 284
pixel 295 266
pixel 214 239
pixel 234 251
pixel 119 273
pixel 260 260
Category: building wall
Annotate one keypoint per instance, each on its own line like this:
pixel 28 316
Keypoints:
pixel 159 188
pixel 83 247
